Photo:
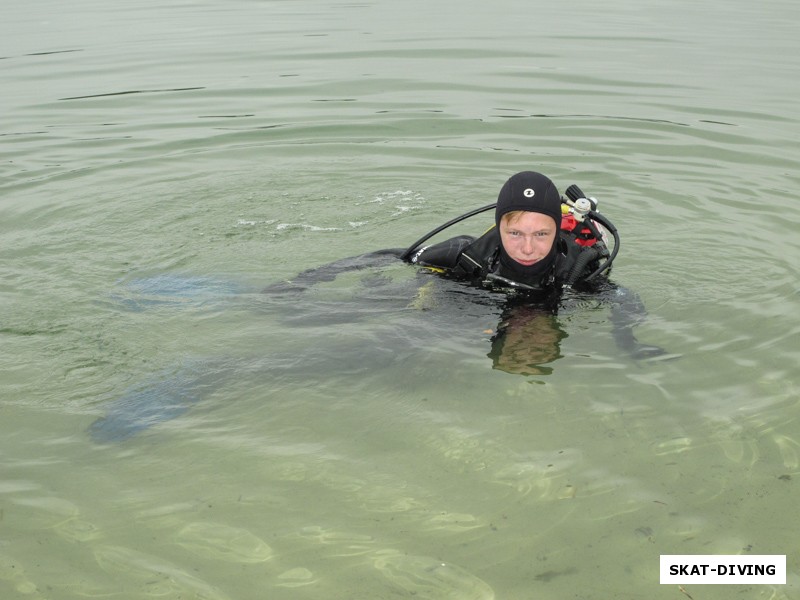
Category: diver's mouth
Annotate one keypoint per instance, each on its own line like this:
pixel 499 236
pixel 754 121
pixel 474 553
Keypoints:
pixel 527 263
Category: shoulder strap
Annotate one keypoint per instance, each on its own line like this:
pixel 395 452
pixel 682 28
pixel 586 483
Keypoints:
pixel 478 258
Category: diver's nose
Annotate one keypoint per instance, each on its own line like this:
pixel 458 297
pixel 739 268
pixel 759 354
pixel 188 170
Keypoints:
pixel 527 247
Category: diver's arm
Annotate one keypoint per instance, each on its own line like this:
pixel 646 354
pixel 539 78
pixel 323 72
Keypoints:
pixel 444 255
pixel 627 311
pixel 304 280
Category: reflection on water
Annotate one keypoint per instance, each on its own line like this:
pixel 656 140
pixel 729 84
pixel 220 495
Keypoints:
pixel 526 341
pixel 376 436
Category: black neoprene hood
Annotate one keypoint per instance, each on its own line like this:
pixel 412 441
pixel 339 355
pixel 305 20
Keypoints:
pixel 529 191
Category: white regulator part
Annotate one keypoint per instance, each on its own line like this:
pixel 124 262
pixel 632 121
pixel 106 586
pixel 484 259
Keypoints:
pixel 581 206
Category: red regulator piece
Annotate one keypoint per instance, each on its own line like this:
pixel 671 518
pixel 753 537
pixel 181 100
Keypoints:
pixel 583 235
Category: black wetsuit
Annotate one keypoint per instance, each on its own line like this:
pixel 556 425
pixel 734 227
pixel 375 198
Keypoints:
pixel 478 261
pixel 481 261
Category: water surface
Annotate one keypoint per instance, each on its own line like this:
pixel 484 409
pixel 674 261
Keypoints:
pixel 163 162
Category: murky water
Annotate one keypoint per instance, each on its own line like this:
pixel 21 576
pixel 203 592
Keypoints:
pixel 169 431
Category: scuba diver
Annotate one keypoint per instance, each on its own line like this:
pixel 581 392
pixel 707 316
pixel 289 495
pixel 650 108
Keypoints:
pixel 540 245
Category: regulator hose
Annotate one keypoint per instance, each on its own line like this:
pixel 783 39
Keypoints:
pixel 595 216
pixel 586 256
pixel 573 192
pixel 410 250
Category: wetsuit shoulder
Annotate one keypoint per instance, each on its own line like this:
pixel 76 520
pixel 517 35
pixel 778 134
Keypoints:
pixel 461 256
pixel 443 255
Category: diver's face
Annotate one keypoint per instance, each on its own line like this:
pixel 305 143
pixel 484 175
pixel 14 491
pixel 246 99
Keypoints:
pixel 529 238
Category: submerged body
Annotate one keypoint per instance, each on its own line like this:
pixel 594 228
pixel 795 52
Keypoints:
pixel 536 260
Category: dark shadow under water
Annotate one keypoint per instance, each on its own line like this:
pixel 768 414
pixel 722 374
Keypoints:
pixel 385 318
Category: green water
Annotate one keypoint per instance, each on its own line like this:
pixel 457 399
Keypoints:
pixel 356 442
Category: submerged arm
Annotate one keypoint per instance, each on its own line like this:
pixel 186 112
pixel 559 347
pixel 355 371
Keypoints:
pixel 627 311
pixel 329 272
